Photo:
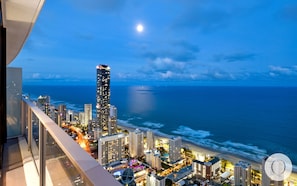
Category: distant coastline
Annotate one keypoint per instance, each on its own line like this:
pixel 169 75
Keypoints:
pixel 232 157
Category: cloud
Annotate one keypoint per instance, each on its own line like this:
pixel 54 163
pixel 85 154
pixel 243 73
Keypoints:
pixel 235 57
pixel 203 19
pixel 102 5
pixel 186 45
pixel 167 68
pixel 219 75
pixel 279 70
pixel 177 50
pixel 41 76
pixel 36 76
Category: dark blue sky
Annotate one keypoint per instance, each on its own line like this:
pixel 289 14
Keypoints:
pixel 197 42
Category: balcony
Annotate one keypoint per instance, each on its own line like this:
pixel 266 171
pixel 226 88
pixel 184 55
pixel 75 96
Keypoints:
pixel 46 155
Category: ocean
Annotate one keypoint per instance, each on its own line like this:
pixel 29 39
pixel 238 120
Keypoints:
pixel 249 121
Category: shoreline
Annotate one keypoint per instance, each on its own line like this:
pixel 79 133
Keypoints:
pixel 232 157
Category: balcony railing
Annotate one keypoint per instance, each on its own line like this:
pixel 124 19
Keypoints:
pixel 58 159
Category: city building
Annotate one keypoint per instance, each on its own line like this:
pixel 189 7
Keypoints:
pixel 265 178
pixel 207 169
pixel 150 141
pixel 154 180
pixel 242 174
pixel 103 96
pixel 112 120
pixel 61 114
pixel 88 113
pixel 81 118
pixel 136 143
pixel 175 145
pixel 153 159
pixel 69 116
pixel 111 148
pixel 43 102
pixel 97 133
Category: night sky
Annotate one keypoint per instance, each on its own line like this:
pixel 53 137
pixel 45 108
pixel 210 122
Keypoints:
pixel 184 42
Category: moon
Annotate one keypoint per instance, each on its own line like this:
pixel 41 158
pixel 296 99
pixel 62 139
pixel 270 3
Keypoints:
pixel 139 28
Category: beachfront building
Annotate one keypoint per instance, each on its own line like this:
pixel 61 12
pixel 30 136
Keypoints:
pixel 43 102
pixel 242 174
pixel 136 143
pixel 88 113
pixel 112 120
pixel 81 118
pixel 207 169
pixel 111 148
pixel 103 96
pixel 154 180
pixel 266 180
pixel 175 144
pixel 150 141
pixel 153 159
pixel 61 114
pixel 69 116
pixel 97 133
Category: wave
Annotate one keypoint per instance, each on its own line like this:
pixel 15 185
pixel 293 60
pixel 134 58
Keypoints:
pixel 187 131
pixel 153 125
pixel 199 137
pixel 126 123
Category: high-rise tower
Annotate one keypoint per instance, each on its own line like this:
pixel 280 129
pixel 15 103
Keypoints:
pixel 103 96
pixel 88 113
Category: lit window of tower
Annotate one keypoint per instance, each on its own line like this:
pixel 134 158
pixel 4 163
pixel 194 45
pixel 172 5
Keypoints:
pixel 103 96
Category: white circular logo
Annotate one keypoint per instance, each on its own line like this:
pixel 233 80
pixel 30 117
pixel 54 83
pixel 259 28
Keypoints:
pixel 278 167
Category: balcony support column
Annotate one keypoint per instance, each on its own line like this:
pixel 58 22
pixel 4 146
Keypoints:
pixel 29 124
pixel 3 127
pixel 42 135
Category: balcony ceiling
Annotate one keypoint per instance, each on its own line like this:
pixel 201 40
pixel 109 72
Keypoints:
pixel 19 17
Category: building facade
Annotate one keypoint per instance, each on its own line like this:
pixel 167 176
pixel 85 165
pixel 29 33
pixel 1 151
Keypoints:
pixel 136 143
pixel 174 149
pixel 112 120
pixel 111 148
pixel 150 141
pixel 154 180
pixel 103 96
pixel 153 159
pixel 207 169
pixel 88 113
pixel 242 174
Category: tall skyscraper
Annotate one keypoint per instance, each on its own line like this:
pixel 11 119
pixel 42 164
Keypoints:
pixel 62 112
pixel 111 148
pixel 136 143
pixel 88 113
pixel 242 174
pixel 103 96
pixel 150 140
pixel 174 149
pixel 112 121
pixel 61 115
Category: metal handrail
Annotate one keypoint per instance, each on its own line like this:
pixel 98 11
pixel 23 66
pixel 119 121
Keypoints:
pixel 86 164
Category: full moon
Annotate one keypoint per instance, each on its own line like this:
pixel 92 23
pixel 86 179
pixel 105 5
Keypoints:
pixel 139 28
